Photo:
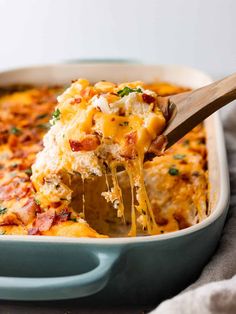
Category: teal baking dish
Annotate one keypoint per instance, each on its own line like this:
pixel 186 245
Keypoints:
pixel 140 270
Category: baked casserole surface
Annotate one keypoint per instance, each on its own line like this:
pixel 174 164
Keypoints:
pixel 176 182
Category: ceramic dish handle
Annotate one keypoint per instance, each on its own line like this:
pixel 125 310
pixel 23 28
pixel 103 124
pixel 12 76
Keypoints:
pixel 55 288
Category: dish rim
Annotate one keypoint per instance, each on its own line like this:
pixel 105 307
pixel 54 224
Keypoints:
pixel 221 205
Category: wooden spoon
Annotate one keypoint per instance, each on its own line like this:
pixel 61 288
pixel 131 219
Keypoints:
pixel 187 110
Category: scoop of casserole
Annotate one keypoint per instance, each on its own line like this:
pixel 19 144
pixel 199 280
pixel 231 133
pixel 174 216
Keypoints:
pixel 97 129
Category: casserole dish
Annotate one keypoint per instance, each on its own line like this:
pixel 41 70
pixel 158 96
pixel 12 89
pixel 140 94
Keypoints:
pixel 124 270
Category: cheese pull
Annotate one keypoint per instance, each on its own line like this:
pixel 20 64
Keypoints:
pixel 98 129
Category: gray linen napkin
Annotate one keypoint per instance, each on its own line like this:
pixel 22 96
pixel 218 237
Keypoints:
pixel 215 289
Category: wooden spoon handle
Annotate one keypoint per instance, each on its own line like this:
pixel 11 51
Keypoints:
pixel 189 109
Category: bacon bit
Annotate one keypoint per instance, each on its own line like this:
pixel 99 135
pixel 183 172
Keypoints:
pixel 23 167
pixel 148 98
pixel 183 162
pixel 89 143
pixel 62 216
pixel 76 100
pixel 56 204
pixel 121 112
pixel 14 189
pixel 33 231
pixel 45 220
pixel 13 141
pixel 181 221
pixel 129 149
pixel 160 220
pixel 185 177
pixel 131 138
pixel 3 134
pixel 86 92
pixel 27 213
pixel 26 138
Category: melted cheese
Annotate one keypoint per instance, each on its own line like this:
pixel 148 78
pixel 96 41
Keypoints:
pixel 71 229
pixel 24 119
pixel 99 131
pixel 67 204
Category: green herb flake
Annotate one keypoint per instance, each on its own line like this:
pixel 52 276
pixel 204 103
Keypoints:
pixel 73 219
pixel 28 172
pixel 125 123
pixel 173 171
pixel 16 131
pixel 179 156
pixel 41 116
pixel 37 202
pixel 3 210
pixel 2 232
pixel 56 116
pixel 186 143
pixel 127 90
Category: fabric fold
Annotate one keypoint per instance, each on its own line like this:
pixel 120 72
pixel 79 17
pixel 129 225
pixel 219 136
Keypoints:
pixel 215 289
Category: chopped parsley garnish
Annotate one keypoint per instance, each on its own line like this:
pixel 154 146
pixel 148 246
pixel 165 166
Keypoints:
pixel 179 156
pixel 186 143
pixel 56 116
pixel 73 219
pixel 3 210
pixel 28 171
pixel 41 116
pixel 173 171
pixel 125 123
pixel 37 202
pixel 16 131
pixel 127 90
